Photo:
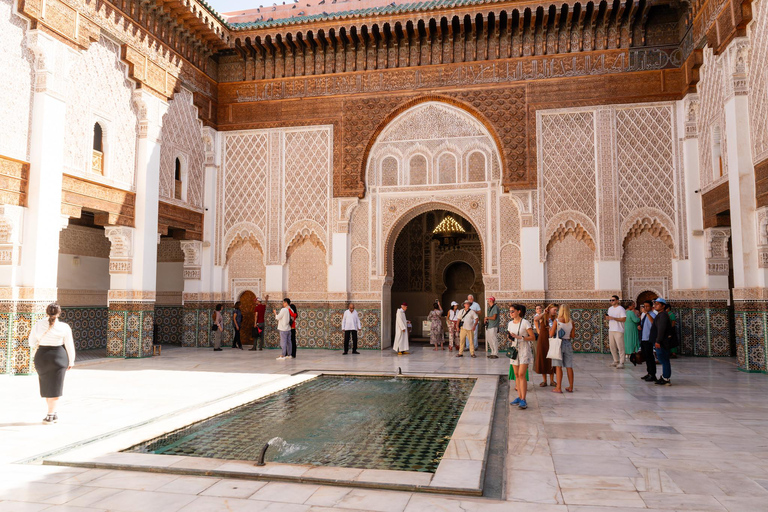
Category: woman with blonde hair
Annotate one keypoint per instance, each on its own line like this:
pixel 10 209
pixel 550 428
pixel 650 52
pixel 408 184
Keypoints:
pixel 55 355
pixel 541 365
pixel 563 328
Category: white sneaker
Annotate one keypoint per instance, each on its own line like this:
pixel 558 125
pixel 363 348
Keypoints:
pixel 614 364
pixel 620 367
pixel 281 358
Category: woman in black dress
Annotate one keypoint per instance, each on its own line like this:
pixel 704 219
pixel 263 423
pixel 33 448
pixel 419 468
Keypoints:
pixel 55 355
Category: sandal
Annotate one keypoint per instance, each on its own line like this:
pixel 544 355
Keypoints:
pixel 570 390
pixel 557 391
pixel 543 385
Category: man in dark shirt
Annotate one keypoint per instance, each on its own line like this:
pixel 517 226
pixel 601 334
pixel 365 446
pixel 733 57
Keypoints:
pixel 259 323
pixel 237 323
pixel 663 336
pixel 294 315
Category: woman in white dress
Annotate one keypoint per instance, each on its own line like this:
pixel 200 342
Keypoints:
pixel 521 336
pixel 55 355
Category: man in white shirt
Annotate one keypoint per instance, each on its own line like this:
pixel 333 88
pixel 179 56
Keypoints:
pixel 474 306
pixel 284 328
pixel 616 317
pixel 468 322
pixel 401 345
pixel 350 324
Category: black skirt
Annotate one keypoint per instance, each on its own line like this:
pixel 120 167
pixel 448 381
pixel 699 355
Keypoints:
pixel 51 364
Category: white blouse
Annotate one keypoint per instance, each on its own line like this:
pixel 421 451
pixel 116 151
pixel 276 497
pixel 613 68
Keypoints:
pixel 43 335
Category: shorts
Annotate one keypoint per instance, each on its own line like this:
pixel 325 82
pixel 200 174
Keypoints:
pixel 566 347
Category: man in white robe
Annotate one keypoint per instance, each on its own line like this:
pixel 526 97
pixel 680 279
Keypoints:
pixel 401 331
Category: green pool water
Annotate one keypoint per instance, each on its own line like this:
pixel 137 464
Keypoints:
pixel 361 422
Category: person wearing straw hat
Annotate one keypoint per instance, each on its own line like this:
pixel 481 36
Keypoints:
pixel 453 317
pixel 401 331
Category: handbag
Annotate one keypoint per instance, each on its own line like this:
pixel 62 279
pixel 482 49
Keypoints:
pixel 556 346
pixel 256 332
pixel 512 351
pixel 214 327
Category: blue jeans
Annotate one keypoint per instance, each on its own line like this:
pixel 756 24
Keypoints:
pixel 663 357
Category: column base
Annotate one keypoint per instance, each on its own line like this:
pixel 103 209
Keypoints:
pixel 130 329
pixel 198 317
pixel 16 320
pixel 752 335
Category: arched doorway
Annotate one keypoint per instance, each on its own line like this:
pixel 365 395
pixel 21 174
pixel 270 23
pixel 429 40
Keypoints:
pixel 247 306
pixel 647 295
pixel 437 255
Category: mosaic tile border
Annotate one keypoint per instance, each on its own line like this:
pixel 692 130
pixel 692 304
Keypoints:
pixel 130 329
pixel 89 326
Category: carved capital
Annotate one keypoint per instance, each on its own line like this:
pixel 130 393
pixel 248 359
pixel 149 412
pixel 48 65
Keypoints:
pixel 717 250
pixel 193 258
pixel 210 145
pixel 121 250
pixel 53 60
pixel 737 67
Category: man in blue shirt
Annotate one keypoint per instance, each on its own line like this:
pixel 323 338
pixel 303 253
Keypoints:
pixel 646 345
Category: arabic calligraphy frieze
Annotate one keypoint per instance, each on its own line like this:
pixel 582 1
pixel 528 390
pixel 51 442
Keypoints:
pixel 465 74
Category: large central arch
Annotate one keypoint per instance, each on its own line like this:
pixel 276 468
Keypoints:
pixel 458 166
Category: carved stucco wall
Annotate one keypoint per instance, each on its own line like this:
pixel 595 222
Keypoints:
pixel 181 138
pixel 570 265
pixel 84 241
pixel 307 267
pixel 275 185
pixel 604 169
pixel 100 92
pixel 646 257
pixel 758 80
pixel 246 262
pixel 17 63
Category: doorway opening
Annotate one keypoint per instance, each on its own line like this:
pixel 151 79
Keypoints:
pixel 437 256
pixel 248 308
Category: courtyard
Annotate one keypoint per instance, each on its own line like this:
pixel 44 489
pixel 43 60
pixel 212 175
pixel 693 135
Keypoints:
pixel 616 443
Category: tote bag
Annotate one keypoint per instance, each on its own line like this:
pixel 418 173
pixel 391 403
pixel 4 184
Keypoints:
pixel 555 346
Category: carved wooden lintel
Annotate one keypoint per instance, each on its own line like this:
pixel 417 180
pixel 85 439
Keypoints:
pixel 14 180
pixel 171 216
pixel 112 206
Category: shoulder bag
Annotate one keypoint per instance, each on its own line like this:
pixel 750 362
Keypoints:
pixel 512 351
pixel 555 346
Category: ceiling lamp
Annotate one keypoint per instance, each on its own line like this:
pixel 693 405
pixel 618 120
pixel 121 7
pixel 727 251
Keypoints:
pixel 448 232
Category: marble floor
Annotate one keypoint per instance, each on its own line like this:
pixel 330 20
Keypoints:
pixel 615 444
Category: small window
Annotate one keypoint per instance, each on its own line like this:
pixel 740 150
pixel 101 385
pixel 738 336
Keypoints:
pixel 97 158
pixel 717 153
pixel 178 186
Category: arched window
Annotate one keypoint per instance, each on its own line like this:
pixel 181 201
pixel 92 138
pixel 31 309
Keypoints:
pixel 389 172
pixel 446 167
pixel 97 160
pixel 476 166
pixel 417 170
pixel 178 184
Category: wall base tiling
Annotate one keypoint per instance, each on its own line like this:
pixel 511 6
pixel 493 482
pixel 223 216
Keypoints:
pixel 89 326
pixel 130 329
pixel 16 321
pixel 169 324
pixel 752 335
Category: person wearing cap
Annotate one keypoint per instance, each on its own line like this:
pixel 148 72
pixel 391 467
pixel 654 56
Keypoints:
pixel 468 321
pixel 664 339
pixel 492 329
pixel 616 317
pixel 259 316
pixel 453 316
pixel 401 331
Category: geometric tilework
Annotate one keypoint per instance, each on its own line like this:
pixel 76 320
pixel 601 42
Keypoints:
pixel 397 424
pixel 168 320
pixel 89 326
pixel 130 328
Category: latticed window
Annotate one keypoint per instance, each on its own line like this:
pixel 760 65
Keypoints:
pixel 97 160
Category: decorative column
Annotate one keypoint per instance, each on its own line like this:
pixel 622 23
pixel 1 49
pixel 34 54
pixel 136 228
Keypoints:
pixel 133 258
pixel 608 263
pixel 28 280
pixel 196 321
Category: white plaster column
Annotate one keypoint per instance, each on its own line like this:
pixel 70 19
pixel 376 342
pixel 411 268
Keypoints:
pixel 531 266
pixel 211 275
pixel 608 276
pixel 338 271
pixel 275 284
pixel 43 219
pixel 741 175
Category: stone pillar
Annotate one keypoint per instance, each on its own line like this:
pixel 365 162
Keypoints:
pixel 133 258
pixel 196 320
pixel 531 266
pixel 28 279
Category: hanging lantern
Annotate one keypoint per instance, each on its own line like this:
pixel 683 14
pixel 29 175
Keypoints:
pixel 449 232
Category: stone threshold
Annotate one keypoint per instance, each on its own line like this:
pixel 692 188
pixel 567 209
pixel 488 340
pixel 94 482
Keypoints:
pixel 461 470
